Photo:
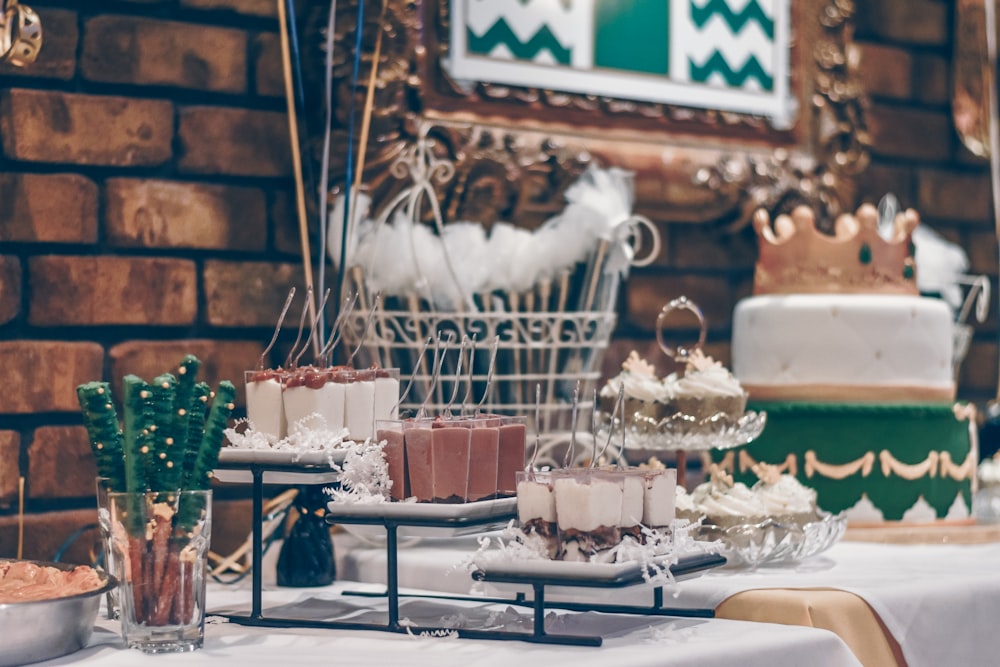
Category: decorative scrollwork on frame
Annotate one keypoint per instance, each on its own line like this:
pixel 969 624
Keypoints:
pixel 780 181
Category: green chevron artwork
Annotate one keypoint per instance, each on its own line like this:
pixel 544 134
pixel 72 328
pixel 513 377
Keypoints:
pixel 731 55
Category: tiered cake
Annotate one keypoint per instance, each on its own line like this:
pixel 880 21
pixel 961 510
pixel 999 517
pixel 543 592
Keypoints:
pixel 854 369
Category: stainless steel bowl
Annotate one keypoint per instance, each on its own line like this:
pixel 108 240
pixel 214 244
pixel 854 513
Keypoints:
pixel 44 629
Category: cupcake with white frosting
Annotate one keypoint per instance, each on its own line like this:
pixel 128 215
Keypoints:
pixel 707 390
pixel 783 496
pixel 727 503
pixel 644 394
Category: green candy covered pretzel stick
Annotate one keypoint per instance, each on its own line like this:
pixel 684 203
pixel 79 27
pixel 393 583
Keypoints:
pixel 164 389
pixel 195 431
pixel 208 451
pixel 104 431
pixel 199 475
pixel 184 407
pixel 138 409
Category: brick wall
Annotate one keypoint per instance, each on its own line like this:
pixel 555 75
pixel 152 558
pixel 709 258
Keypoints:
pixel 145 212
pixel 145 182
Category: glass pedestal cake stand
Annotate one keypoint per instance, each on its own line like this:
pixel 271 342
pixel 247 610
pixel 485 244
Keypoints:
pixel 680 433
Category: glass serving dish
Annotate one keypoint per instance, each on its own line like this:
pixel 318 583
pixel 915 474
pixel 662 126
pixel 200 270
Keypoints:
pixel 679 431
pixel 775 540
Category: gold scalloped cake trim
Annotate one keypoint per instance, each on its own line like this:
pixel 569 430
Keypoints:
pixel 909 471
pixel 841 471
pixel 935 463
pixel 967 470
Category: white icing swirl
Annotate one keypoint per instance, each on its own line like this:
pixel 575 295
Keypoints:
pixel 683 501
pixel 785 496
pixel 639 380
pixel 707 377
pixel 717 500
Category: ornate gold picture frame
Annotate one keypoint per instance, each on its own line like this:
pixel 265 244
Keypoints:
pixel 516 147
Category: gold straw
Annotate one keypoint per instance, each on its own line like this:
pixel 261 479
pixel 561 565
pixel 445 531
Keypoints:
pixel 20 518
pixel 293 131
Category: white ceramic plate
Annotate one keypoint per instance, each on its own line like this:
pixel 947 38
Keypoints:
pixel 501 508
pixel 396 510
pixel 315 465
pixel 560 569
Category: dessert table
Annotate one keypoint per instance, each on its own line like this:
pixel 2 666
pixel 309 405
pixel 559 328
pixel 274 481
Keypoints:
pixel 915 604
pixel 635 641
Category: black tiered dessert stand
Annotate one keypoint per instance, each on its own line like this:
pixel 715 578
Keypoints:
pixel 538 604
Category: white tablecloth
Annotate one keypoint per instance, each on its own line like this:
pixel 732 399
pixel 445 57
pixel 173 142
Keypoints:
pixel 629 641
pixel 940 602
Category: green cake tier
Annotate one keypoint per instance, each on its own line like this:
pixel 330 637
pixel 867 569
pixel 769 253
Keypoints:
pixel 895 455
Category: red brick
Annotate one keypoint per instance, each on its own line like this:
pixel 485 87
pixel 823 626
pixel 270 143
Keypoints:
pixel 924 22
pixel 979 371
pixel 264 8
pixel 933 79
pixel 250 294
pixel 982 249
pixel 172 214
pixel 955 196
pixel 238 142
pixel 269 76
pixel 285 223
pixel 128 49
pixel 10 471
pixel 91 290
pixel 57 57
pixel 884 177
pixel 46 533
pixel 50 126
pixel 48 208
pixel 10 288
pixel 886 71
pixel 916 134
pixel 710 247
pixel 61 463
pixel 646 295
pixel 42 376
pixel 221 360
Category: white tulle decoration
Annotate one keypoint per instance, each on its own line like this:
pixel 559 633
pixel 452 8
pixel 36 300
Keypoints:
pixel 401 258
pixel 335 226
pixel 467 246
pixel 940 265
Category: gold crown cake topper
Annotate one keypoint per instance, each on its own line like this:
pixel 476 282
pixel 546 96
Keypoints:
pixel 796 258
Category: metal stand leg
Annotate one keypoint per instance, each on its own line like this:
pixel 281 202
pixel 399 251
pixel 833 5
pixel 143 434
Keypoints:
pixel 258 539
pixel 392 573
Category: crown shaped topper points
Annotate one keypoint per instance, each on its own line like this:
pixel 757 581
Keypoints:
pixel 796 258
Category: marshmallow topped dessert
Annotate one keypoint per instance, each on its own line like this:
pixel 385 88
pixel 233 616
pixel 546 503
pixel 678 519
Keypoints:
pixel 264 403
pixel 659 497
pixel 536 511
pixel 313 391
pixel 588 510
pixel 282 403
pixel 633 500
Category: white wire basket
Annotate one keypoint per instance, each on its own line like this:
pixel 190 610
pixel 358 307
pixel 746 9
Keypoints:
pixel 547 354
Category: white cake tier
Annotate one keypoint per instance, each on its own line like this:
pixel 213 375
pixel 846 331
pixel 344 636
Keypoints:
pixel 844 347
